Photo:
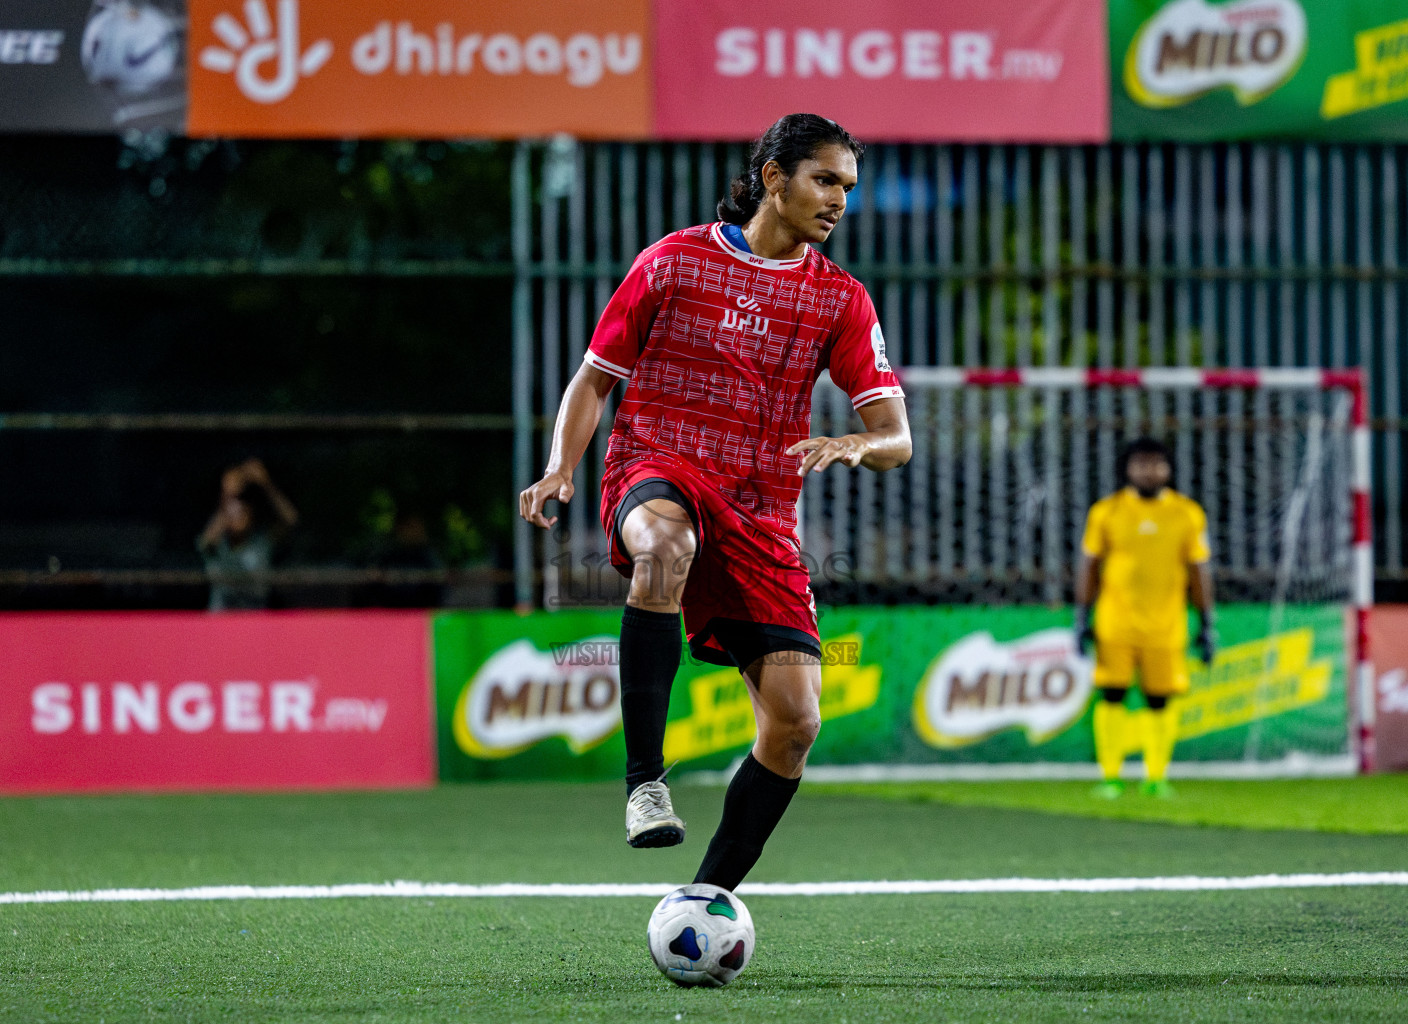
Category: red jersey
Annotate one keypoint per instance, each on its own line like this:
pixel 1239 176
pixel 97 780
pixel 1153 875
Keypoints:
pixel 721 350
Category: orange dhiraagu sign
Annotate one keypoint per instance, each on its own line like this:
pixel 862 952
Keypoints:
pixel 426 68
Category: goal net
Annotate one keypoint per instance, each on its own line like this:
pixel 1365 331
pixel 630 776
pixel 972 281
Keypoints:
pixel 1006 463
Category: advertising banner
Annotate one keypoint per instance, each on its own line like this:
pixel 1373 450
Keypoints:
pixel 966 70
pixel 92 65
pixel 426 68
pixel 240 701
pixel 1388 641
pixel 536 696
pixel 1205 70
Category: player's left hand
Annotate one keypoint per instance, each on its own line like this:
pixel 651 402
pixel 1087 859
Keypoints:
pixel 823 451
pixel 1206 644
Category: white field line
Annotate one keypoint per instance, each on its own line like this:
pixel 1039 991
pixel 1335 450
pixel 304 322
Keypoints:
pixel 654 890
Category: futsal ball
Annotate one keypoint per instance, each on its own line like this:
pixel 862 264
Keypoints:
pixel 130 46
pixel 701 935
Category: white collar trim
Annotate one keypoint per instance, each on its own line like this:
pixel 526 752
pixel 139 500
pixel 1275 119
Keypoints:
pixel 753 260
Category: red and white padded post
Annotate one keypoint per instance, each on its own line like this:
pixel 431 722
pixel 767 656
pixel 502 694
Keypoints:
pixel 1365 707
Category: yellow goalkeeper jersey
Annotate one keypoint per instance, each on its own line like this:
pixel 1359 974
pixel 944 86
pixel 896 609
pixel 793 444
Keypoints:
pixel 1145 546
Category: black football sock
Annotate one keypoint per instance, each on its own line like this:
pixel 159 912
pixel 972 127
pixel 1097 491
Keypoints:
pixel 650 657
pixel 754 804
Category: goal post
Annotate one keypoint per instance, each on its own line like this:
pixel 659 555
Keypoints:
pixel 1007 461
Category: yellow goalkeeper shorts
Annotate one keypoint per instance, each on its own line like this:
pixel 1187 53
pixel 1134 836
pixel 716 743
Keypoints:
pixel 1163 671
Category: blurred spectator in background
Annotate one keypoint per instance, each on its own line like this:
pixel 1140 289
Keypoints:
pixel 238 542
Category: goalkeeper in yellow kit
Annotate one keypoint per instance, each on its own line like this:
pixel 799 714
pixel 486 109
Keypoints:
pixel 1145 551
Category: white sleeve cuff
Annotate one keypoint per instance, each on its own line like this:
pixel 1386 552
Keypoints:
pixel 606 367
pixel 875 394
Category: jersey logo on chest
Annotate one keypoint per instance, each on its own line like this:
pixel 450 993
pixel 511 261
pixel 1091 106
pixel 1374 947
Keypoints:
pixel 751 322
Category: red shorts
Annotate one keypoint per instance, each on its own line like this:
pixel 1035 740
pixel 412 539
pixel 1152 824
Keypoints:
pixel 747 593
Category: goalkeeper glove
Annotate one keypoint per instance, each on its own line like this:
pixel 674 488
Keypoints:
pixel 1206 643
pixel 1085 632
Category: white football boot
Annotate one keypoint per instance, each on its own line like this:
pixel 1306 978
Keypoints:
pixel 650 818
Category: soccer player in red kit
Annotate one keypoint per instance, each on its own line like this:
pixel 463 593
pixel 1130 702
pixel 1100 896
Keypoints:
pixel 720 332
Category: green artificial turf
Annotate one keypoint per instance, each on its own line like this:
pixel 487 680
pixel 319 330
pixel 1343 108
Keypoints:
pixel 1325 954
pixel 543 832
pixel 1266 956
pixel 1369 805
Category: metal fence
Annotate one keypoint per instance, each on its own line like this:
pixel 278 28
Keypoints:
pixel 1227 255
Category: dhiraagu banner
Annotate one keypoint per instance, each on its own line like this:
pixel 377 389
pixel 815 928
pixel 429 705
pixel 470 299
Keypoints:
pixel 1205 70
pixel 537 696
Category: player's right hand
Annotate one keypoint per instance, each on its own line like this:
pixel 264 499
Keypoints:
pixel 1085 632
pixel 552 487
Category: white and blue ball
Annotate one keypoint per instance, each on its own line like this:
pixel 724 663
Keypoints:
pixel 701 935
pixel 131 46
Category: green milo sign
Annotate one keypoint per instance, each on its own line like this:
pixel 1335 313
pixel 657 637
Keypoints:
pixel 537 696
pixel 1205 70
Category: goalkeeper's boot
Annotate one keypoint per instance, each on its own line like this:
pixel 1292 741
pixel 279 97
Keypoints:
pixel 1110 789
pixel 650 818
pixel 1159 789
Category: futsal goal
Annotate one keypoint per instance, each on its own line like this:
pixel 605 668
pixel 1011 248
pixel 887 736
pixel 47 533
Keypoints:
pixel 1006 463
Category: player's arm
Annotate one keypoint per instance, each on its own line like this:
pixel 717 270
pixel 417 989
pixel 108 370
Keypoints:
pixel 857 364
pixel 884 444
pixel 1199 556
pixel 615 346
pixel 577 419
pixel 1087 589
pixel 1200 592
pixel 1092 552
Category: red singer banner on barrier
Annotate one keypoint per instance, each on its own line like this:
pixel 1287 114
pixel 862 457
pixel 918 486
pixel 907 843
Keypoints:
pixel 960 71
pixel 243 701
pixel 1389 644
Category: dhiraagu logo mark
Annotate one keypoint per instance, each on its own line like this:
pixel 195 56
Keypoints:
pixel 979 687
pixel 1192 47
pixel 721 715
pixel 261 41
pixel 522 695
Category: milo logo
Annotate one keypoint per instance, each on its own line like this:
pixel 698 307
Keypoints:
pixel 980 686
pixel 1192 47
pixel 522 695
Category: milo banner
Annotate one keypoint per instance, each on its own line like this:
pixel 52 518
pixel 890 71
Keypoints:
pixel 1204 70
pixel 538 696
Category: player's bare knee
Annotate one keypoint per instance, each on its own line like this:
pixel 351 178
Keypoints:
pixel 797 744
pixel 667 547
pixel 791 734
pixel 661 569
pixel 803 734
pixel 652 587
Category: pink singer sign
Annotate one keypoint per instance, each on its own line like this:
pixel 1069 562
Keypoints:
pixel 178 700
pixel 913 70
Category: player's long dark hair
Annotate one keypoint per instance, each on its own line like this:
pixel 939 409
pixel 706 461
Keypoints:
pixel 1143 446
pixel 794 138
